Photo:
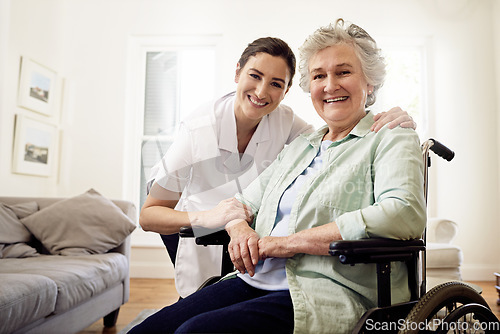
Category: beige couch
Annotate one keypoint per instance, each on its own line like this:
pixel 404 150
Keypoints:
pixel 65 285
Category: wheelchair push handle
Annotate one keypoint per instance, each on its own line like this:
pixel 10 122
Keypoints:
pixel 441 150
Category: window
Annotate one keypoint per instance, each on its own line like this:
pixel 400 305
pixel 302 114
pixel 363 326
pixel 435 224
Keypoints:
pixel 170 77
pixel 175 81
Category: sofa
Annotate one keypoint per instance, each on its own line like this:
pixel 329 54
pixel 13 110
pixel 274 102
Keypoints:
pixel 443 258
pixel 64 262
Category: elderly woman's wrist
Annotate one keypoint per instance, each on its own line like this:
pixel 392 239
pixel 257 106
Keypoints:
pixel 292 244
pixel 234 222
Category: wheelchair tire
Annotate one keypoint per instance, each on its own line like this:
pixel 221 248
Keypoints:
pixel 470 318
pixel 430 311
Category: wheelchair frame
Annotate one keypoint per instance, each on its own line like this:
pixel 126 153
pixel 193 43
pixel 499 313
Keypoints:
pixel 453 306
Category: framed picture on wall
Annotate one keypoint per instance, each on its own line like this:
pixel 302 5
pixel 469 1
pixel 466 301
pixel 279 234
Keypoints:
pixel 37 87
pixel 35 147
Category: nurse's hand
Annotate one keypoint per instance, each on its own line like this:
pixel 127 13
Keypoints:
pixel 243 247
pixel 226 211
pixel 396 116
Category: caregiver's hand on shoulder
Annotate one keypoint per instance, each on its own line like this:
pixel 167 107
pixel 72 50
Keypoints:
pixel 226 211
pixel 396 116
pixel 243 247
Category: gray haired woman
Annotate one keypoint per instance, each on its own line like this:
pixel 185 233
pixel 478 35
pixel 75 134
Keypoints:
pixel 340 182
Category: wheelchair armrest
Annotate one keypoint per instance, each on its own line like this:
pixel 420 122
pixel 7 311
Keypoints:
pixel 375 250
pixel 215 238
pixel 186 232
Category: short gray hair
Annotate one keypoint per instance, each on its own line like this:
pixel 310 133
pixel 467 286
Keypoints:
pixel 365 47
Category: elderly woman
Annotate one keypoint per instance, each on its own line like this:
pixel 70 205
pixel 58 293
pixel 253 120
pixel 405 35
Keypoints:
pixel 341 182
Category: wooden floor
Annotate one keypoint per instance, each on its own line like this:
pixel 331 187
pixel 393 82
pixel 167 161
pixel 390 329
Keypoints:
pixel 145 293
pixel 156 293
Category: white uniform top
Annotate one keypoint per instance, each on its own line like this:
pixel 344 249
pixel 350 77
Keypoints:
pixel 204 164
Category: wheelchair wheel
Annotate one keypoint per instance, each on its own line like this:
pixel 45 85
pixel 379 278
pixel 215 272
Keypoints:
pixel 430 311
pixel 470 318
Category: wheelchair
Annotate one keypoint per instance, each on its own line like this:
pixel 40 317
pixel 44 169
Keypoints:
pixel 450 307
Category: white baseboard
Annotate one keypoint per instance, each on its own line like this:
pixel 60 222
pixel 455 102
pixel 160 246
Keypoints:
pixel 150 262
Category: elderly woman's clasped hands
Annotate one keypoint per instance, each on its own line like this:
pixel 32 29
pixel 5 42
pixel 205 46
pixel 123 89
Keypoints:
pixel 246 248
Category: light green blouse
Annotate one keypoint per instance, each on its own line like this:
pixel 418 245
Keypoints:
pixel 371 184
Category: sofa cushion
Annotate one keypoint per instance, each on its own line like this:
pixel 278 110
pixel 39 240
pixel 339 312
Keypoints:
pixel 17 250
pixel 14 236
pixel 78 278
pixel 84 224
pixel 24 298
pixel 10 225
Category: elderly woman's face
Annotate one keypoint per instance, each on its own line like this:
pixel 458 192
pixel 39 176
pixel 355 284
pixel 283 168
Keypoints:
pixel 338 85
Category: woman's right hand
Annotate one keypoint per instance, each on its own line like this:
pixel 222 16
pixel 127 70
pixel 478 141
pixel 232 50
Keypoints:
pixel 227 210
pixel 243 247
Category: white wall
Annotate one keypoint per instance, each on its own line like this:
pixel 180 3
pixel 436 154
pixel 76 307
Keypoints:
pixel 86 42
pixel 496 14
pixel 4 55
pixel 24 38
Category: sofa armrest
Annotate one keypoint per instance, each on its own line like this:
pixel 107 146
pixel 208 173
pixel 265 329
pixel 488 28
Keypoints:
pixel 441 230
pixel 130 210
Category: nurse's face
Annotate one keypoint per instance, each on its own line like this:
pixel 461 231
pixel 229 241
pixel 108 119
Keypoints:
pixel 262 85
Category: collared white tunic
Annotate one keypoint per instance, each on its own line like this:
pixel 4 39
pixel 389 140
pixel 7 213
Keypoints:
pixel 204 164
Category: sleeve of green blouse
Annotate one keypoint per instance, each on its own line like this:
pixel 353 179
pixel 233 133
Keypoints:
pixel 399 210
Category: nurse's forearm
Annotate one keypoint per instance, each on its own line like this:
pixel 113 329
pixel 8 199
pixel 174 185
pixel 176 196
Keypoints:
pixel 159 215
pixel 162 219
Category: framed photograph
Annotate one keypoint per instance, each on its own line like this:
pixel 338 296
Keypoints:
pixel 35 146
pixel 37 87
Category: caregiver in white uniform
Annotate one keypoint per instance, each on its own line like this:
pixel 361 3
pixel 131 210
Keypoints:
pixel 220 149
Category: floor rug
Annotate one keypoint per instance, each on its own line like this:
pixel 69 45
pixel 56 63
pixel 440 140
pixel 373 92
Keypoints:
pixel 143 315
